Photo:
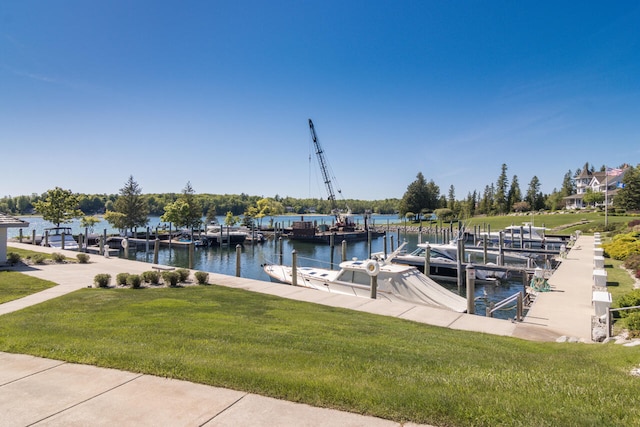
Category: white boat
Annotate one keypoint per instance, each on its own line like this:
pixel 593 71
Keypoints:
pixel 217 234
pixel 444 264
pixel 54 236
pixel 525 236
pixel 395 282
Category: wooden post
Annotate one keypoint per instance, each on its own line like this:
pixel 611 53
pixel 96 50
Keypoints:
pixel 384 244
pixel 156 249
pixel 369 243
pixel 33 237
pixel 86 239
pixel 294 268
pixel 471 289
pixel 147 242
pixel 344 250
pixel 332 241
pixel 484 249
pixel 460 277
pixel 281 255
pixel 62 238
pixel 170 236
pixel 427 259
pixel 20 236
pixel 391 248
pixel 46 237
pixel 500 249
pixel 374 286
pixel 80 242
pixel 125 246
pixel 238 253
pixel 521 237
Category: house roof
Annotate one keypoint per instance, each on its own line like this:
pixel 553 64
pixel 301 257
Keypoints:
pixel 7 221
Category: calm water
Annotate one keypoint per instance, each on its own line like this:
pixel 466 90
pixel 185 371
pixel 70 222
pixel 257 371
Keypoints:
pixel 222 260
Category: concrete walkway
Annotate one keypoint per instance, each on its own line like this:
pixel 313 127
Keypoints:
pixel 36 391
pixel 567 308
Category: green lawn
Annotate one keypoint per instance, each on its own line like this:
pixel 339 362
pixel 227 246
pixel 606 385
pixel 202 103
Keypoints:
pixel 593 220
pixel 15 285
pixel 332 357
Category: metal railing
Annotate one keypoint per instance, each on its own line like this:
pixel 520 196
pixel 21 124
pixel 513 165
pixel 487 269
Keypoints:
pixel 608 317
pixel 517 298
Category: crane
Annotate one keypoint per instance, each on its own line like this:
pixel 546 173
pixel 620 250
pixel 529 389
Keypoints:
pixel 341 221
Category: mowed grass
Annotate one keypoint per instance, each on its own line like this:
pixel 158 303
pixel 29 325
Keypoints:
pixel 331 357
pixel 14 285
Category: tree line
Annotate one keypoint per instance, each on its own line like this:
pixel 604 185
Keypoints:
pixel 505 196
pixel 130 208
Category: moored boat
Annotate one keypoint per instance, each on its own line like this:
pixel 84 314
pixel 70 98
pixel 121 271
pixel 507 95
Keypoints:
pixel 395 282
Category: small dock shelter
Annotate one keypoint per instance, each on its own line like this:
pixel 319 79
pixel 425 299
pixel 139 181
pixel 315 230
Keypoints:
pixel 7 222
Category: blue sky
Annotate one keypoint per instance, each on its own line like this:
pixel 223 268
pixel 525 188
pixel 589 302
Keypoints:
pixel 219 93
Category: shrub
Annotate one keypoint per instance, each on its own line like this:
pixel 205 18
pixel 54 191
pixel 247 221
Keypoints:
pixel 152 277
pixel 13 258
pixel 202 277
pixel 632 322
pixel 102 280
pixel 170 278
pixel 183 274
pixel 83 258
pixel 622 246
pixel 58 257
pixel 632 262
pixel 630 299
pixel 121 279
pixel 134 280
pixel 38 258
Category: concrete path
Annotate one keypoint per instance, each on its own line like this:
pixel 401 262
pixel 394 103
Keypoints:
pixel 36 391
pixel 567 308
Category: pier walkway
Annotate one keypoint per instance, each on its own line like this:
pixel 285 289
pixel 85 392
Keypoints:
pixel 567 308
pixel 36 391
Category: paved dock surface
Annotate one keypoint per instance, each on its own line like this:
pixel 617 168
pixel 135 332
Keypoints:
pixel 36 391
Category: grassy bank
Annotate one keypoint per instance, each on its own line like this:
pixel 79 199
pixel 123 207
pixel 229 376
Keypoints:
pixel 15 285
pixel 331 357
pixel 563 223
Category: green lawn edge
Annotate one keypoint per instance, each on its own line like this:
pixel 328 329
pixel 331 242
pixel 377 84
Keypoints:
pixel 330 357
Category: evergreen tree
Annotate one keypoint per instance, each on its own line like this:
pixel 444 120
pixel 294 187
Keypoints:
pixel 568 184
pixel 500 198
pixel 628 197
pixel 186 211
pixel 534 197
pixel 130 209
pixel 420 195
pixel 515 195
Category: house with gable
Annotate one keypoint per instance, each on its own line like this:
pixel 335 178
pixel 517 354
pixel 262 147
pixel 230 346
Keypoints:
pixel 607 182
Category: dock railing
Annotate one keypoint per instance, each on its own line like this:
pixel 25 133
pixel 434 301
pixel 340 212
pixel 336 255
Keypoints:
pixel 517 298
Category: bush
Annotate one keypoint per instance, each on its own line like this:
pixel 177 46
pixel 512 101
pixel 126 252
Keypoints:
pixel 170 278
pixel 83 258
pixel 183 274
pixel 121 279
pixel 632 262
pixel 202 277
pixel 58 257
pixel 38 258
pixel 622 246
pixel 134 280
pixel 152 277
pixel 630 299
pixel 13 258
pixel 102 280
pixel 632 322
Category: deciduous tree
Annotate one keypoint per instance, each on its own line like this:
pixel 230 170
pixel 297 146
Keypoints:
pixel 58 206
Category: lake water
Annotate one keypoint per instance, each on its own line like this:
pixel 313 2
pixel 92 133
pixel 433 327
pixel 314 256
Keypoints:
pixel 222 260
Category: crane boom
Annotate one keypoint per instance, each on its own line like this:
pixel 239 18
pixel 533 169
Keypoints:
pixel 323 168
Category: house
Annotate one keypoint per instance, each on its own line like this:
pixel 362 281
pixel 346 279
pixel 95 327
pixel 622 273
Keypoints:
pixel 6 222
pixel 607 182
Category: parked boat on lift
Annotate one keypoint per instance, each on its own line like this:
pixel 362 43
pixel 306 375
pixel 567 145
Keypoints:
pixel 54 237
pixel 395 282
